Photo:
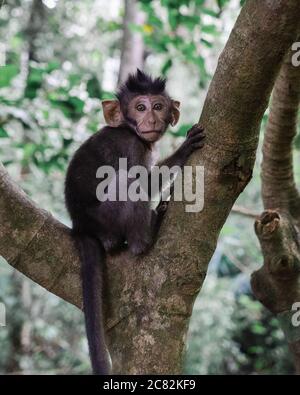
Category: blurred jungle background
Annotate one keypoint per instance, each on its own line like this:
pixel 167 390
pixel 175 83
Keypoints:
pixel 59 59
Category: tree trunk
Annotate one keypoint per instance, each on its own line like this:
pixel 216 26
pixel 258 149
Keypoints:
pixel 36 25
pixel 149 300
pixel 132 53
pixel 276 284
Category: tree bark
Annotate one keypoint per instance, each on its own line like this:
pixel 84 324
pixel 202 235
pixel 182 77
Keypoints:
pixel 35 26
pixel 276 284
pixel 149 300
pixel 278 184
pixel 132 52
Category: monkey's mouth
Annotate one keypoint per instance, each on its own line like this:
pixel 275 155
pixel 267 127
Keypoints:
pixel 151 135
pixel 151 131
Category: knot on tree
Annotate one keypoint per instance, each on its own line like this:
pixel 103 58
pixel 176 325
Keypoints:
pixel 276 283
pixel 237 173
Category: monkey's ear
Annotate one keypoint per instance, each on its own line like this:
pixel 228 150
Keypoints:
pixel 175 112
pixel 112 112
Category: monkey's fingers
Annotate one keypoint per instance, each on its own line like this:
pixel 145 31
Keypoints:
pixel 196 138
pixel 198 145
pixel 196 129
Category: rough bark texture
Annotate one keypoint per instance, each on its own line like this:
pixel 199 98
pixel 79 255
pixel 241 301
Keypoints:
pixel 132 53
pixel 149 301
pixel 278 185
pixel 276 284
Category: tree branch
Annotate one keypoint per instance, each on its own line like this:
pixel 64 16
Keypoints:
pixel 278 184
pixel 276 284
pixel 149 301
pixel 236 209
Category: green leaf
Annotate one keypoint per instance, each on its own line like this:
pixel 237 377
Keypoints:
pixel 3 133
pixel 72 107
pixel 67 142
pixel 210 12
pixel 93 87
pixel 10 102
pixel 222 3
pixel 7 73
pixel 74 79
pixel 166 67
pixel 259 329
pixel 209 29
pixel 182 131
pixel 28 150
pixel 206 43
pixel 256 350
pixel 107 95
pixel 190 21
pixel 34 82
pixel 51 66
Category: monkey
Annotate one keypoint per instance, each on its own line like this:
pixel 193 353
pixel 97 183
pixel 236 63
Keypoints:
pixel 136 119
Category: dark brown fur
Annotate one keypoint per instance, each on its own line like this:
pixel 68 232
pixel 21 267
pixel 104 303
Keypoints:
pixel 101 227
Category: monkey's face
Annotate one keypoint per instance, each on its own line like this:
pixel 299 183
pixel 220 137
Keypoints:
pixel 152 114
pixel 149 115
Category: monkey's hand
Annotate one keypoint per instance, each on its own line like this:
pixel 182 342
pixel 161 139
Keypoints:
pixel 194 140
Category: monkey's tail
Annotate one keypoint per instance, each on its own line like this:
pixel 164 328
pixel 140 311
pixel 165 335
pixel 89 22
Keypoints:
pixel 92 261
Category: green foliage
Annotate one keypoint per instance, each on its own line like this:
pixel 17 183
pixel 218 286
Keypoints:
pixel 185 31
pixel 34 82
pixel 94 88
pixel 233 334
pixel 49 106
pixel 71 106
pixel 53 347
pixel 41 107
pixel 181 131
pixel 7 73
pixel 3 132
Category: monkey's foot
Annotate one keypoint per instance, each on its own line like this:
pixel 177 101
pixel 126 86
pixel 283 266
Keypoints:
pixel 111 244
pixel 140 247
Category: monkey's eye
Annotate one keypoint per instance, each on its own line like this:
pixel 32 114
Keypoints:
pixel 158 107
pixel 141 107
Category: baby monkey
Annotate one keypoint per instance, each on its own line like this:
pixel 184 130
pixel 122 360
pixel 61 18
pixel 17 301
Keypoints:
pixel 135 122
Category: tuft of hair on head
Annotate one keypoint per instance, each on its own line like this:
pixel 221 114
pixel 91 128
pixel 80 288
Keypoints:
pixel 141 83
